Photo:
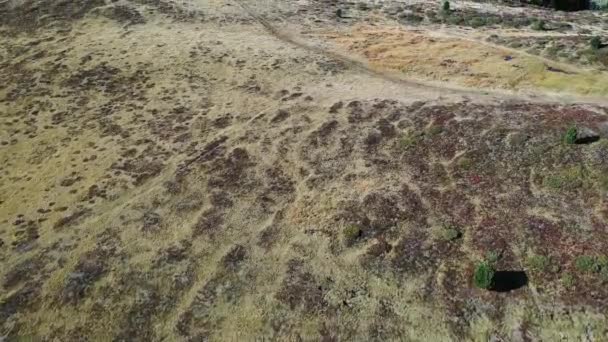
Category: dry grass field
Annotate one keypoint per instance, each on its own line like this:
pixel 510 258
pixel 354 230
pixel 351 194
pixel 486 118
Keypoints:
pixel 239 170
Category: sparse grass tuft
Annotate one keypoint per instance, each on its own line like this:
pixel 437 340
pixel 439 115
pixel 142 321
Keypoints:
pixel 410 139
pixel 570 178
pixel 434 130
pixel 448 233
pixel 539 263
pixel 465 163
pixel 477 22
pixel 568 280
pixel 492 257
pixel 484 275
pixel 351 233
pixel 455 20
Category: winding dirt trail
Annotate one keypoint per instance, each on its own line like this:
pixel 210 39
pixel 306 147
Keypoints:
pixel 361 65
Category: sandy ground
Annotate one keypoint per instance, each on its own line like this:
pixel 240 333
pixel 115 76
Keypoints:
pixel 191 170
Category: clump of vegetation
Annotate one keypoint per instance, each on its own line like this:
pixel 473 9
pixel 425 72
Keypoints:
pixel 568 280
pixel 570 178
pixel 455 20
pixel 412 18
pixel 477 22
pixel 570 137
pixel 484 275
pixel 446 7
pixel 485 271
pixel 492 257
pixel 411 138
pixel 351 233
pixel 448 233
pixel 539 263
pixel 434 130
pixel 465 163
pixel 597 265
pixel 592 264
pixel 539 25
pixel 596 43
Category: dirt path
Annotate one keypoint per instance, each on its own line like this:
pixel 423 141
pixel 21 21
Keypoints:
pixel 362 66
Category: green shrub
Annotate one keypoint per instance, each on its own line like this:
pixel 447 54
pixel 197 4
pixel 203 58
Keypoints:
pixel 570 178
pixel 412 18
pixel 493 20
pixel 596 43
pixel 448 233
pixel 465 163
pixel 586 263
pixel 411 138
pixel 521 22
pixel 568 280
pixel 351 233
pixel 539 263
pixel 434 130
pixel 484 276
pixel 492 257
pixel 477 22
pixel 455 20
pixel 539 25
pixel 446 6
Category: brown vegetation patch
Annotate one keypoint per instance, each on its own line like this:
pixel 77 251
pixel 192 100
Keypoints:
pixel 301 289
pixel 230 173
pixel 209 223
pixel 91 267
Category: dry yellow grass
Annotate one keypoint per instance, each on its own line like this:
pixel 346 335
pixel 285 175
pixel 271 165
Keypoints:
pixel 465 62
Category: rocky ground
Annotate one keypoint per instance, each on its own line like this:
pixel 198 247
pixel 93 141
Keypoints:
pixel 301 170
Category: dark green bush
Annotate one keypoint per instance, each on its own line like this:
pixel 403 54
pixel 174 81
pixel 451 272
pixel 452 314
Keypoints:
pixel 446 6
pixel 477 22
pixel 539 25
pixel 587 263
pixel 484 276
pixel 455 20
pixel 596 43
pixel 571 133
